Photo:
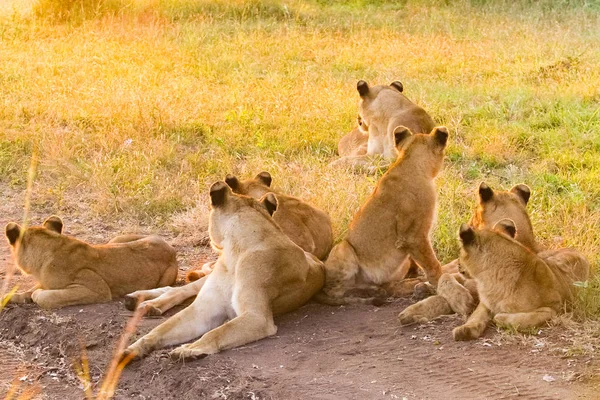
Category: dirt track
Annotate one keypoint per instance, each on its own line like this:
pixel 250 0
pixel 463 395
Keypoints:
pixel 319 352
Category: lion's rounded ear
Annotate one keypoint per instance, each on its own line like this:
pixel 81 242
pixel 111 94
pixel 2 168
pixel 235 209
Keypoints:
pixel 270 202
pixel 506 226
pixel 522 191
pixel 13 231
pixel 397 85
pixel 467 234
pixel 363 88
pixel 485 192
pixel 54 224
pixel 232 181
pixel 218 193
pixel 265 178
pixel 440 134
pixel 401 133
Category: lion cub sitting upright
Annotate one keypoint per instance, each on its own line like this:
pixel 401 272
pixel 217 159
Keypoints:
pixel 382 110
pixel 393 224
pixel 516 287
pixel 260 273
pixel 307 226
pixel 69 271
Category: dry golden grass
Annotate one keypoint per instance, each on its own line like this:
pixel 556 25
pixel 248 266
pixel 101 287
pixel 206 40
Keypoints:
pixel 137 106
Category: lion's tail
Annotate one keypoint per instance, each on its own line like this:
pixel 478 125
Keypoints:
pixel 194 275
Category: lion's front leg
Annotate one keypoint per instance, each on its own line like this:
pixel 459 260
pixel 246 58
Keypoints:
pixel 88 288
pixel 475 325
pixel 526 319
pixel 19 298
pixel 422 252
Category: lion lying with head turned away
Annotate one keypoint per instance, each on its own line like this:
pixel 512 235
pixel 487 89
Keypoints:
pixel 69 271
pixel 260 273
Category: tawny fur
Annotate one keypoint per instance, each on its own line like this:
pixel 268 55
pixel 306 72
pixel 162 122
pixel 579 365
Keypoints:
pixel 382 109
pixel 517 288
pixel 306 225
pixel 393 224
pixel 260 273
pixel 69 271
pixel 459 293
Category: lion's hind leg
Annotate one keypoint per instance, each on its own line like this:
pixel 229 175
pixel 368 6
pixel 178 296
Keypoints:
pixel 450 287
pixel 126 238
pixel 425 310
pixel 254 321
pixel 210 309
pixel 341 280
pixel 402 287
pixel 525 320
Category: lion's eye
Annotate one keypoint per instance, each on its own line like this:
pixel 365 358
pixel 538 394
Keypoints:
pixel 359 119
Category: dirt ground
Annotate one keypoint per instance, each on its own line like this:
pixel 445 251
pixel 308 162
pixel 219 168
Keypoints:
pixel 319 352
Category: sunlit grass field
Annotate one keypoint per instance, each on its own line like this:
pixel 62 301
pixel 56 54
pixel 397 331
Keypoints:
pixel 133 107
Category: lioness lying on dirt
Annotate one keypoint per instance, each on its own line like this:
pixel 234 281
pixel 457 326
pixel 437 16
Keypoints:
pixel 392 225
pixel 455 293
pixel 382 111
pixel 260 273
pixel 69 271
pixel 516 287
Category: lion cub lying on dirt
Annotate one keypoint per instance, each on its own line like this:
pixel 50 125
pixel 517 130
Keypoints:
pixel 455 293
pixel 382 111
pixel 69 271
pixel 392 225
pixel 260 273
pixel 516 287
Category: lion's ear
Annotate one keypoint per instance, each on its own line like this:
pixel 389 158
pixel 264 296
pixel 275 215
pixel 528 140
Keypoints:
pixel 218 193
pixel 270 202
pixel 13 231
pixel 440 134
pixel 522 191
pixel 232 181
pixel 363 88
pixel 265 178
pixel 506 226
pixel 467 234
pixel 401 133
pixel 485 192
pixel 54 224
pixel 397 85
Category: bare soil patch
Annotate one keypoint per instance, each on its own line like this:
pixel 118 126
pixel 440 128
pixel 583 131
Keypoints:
pixel 319 352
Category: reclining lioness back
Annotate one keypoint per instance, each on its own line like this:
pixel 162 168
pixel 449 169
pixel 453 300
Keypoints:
pixel 69 271
pixel 306 225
